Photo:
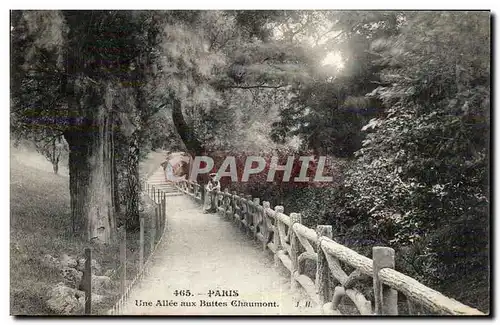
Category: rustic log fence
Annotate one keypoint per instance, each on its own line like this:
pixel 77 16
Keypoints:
pixel 293 244
pixel 157 227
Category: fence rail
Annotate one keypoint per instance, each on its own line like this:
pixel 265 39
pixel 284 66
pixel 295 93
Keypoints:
pixel 158 222
pixel 293 244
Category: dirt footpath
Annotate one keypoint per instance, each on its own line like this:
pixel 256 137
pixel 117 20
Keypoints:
pixel 206 255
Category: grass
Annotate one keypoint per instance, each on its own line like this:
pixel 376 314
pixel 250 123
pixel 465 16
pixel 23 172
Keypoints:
pixel 40 223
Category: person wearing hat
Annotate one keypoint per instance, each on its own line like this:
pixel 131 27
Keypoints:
pixel 212 187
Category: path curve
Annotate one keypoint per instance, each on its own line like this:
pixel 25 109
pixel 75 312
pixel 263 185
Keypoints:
pixel 203 252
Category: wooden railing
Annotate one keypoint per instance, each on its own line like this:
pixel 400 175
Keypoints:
pixel 158 226
pixel 294 245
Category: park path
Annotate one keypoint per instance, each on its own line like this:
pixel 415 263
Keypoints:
pixel 202 252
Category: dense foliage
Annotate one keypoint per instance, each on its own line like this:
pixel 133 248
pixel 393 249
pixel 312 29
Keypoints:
pixel 423 167
pixel 419 182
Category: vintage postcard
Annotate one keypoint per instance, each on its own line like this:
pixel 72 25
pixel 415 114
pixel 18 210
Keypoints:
pixel 250 162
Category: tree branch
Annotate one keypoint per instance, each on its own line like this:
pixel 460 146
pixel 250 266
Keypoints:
pixel 48 138
pixel 256 86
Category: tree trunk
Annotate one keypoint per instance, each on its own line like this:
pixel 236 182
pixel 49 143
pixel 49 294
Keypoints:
pixel 52 152
pixel 91 179
pixel 79 174
pixel 193 145
pixel 114 169
pixel 55 167
pixel 133 184
pixel 109 171
pixel 187 134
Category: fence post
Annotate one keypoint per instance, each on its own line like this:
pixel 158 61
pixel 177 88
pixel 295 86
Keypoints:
pixel 157 218
pixel 160 213
pixel 265 205
pixel 294 247
pixel 225 203
pixel 153 233
pixel 154 193
pixel 203 192
pixel 123 260
pixel 234 204
pixel 212 197
pixel 164 217
pixel 87 282
pixel 322 270
pixel 386 298
pixel 255 216
pixel 242 209
pixel 158 196
pixel 249 213
pixel 244 212
pixel 218 201
pixel 277 239
pixel 141 243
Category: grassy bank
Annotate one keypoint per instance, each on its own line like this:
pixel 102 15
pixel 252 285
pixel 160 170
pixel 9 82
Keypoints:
pixel 40 223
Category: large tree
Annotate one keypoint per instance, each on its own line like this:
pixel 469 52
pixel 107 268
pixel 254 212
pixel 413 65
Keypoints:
pixel 70 70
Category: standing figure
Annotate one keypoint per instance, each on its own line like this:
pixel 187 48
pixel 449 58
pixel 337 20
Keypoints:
pixel 211 193
pixel 169 173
